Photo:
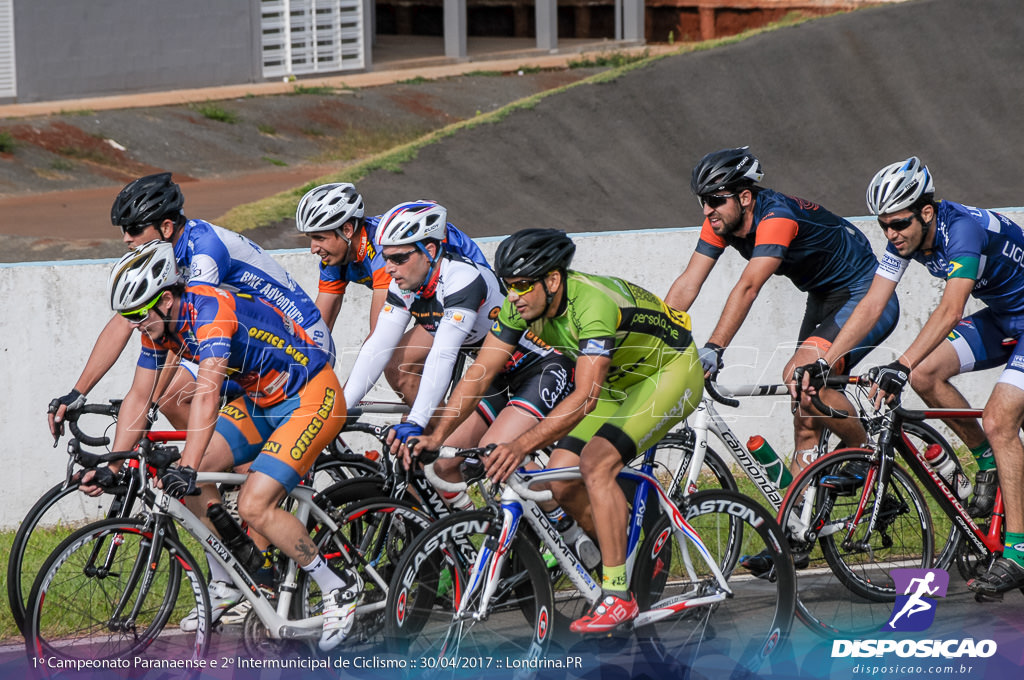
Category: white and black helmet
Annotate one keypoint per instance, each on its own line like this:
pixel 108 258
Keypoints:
pixel 412 222
pixel 899 186
pixel 328 207
pixel 141 275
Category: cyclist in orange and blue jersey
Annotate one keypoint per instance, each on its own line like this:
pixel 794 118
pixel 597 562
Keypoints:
pixel 291 409
pixel 332 215
pixel 822 254
pixel 978 253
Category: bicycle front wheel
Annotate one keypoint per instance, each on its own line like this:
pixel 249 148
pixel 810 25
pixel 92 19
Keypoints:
pixel 103 594
pixel 704 628
pixel 429 614
pixel 56 514
pixel 846 589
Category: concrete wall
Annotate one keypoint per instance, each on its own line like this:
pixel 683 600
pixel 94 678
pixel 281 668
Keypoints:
pixel 71 48
pixel 54 312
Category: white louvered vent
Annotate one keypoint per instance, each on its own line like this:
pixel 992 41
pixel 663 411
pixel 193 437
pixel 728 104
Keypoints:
pixel 311 36
pixel 8 79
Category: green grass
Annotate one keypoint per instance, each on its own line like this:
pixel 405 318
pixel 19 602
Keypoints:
pixel 609 60
pixel 266 129
pixel 414 81
pixel 215 112
pixel 484 74
pixel 7 143
pixel 61 164
pixel 313 89
pixel 275 161
pixel 77 112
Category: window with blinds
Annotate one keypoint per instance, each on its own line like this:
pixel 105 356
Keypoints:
pixel 311 36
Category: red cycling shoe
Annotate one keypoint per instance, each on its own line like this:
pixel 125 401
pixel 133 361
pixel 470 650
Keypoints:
pixel 610 613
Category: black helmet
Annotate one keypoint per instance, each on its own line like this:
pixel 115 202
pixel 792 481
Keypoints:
pixel 533 253
pixel 725 169
pixel 147 200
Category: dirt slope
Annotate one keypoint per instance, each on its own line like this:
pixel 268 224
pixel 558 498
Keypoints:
pixel 824 104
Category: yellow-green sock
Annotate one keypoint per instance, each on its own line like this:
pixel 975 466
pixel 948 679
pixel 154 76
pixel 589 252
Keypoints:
pixel 614 580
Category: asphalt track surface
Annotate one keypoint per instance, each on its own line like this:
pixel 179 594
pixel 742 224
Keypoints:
pixel 824 105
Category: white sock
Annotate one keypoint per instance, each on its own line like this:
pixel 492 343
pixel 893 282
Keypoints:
pixel 325 577
pixel 218 572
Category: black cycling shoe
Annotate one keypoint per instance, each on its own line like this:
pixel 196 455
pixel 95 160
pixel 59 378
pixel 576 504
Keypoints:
pixel 1004 575
pixel 986 483
pixel 762 566
pixel 847 479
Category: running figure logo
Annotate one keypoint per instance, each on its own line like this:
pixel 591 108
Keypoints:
pixel 914 610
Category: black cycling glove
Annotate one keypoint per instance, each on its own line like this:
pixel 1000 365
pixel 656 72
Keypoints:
pixel 891 378
pixel 180 482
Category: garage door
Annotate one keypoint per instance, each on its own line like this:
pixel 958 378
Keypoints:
pixel 311 36
pixel 8 82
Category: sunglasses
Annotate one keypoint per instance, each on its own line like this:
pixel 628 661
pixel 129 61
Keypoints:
pixel 897 225
pixel 135 230
pixel 714 200
pixel 398 258
pixel 141 314
pixel 521 287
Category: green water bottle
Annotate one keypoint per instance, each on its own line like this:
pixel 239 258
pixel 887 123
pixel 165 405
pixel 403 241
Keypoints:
pixel 773 465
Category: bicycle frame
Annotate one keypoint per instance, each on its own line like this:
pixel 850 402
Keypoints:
pixel 519 501
pixel 707 419
pixel 983 542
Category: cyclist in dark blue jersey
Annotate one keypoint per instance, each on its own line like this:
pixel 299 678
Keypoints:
pixel 821 253
pixel 152 207
pixel 978 252
pixel 332 215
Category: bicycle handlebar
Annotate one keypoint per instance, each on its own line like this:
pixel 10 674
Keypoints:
pixel 711 387
pixel 71 418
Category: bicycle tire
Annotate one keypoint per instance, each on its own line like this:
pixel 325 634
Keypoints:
pixel 715 472
pixel 58 512
pixel 75 607
pixel 432 577
pixel 752 625
pixel 847 589
pixel 376 532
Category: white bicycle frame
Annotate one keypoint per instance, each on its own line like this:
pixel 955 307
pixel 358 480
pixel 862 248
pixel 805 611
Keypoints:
pixel 706 419
pixel 279 626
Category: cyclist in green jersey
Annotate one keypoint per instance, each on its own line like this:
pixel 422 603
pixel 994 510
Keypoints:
pixel 637 376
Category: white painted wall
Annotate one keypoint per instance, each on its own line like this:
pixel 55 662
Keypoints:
pixel 53 312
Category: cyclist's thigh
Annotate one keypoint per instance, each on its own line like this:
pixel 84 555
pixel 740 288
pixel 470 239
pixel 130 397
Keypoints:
pixel 303 427
pixel 414 347
pixel 833 315
pixel 534 393
pixel 980 341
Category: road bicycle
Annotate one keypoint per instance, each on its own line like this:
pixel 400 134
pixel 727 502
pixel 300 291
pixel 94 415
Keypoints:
pixel 464 588
pixel 108 591
pixel 868 517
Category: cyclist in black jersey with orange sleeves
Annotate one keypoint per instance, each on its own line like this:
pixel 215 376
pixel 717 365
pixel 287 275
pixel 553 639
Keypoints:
pixel 822 254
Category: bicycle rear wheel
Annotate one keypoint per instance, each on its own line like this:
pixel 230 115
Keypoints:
pixel 734 637
pixel 56 514
pixel 431 580
pixel 847 589
pixel 103 595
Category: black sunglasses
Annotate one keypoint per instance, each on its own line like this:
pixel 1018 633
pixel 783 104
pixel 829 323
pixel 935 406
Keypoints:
pixel 398 258
pixel 135 230
pixel 714 200
pixel 897 225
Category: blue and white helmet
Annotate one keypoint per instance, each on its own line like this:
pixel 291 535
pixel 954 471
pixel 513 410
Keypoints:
pixel 898 186
pixel 412 222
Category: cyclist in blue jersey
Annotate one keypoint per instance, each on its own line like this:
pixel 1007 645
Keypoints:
pixel 978 252
pixel 291 409
pixel 332 215
pixel 822 254
pixel 151 208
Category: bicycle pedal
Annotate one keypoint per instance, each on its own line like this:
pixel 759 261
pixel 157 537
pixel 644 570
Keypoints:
pixel 988 597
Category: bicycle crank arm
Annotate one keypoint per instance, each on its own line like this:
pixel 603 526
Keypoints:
pixel 674 605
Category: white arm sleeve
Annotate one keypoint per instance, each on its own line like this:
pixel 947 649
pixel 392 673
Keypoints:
pixel 375 352
pixel 437 371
